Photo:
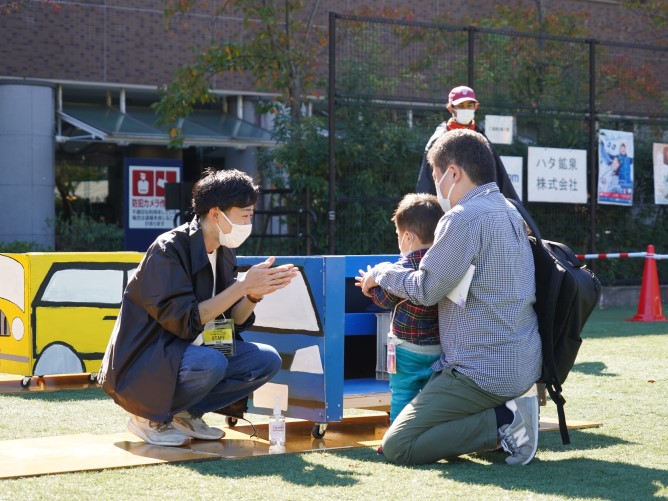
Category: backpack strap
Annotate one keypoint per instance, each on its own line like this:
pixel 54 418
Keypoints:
pixel 546 323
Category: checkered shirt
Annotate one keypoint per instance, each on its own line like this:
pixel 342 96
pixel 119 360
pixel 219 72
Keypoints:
pixel 411 322
pixel 494 338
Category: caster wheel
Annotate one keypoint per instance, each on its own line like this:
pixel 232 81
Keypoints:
pixel 318 430
pixel 232 421
pixel 25 382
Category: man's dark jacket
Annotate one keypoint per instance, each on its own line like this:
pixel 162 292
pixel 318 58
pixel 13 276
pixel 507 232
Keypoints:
pixel 425 182
pixel 159 318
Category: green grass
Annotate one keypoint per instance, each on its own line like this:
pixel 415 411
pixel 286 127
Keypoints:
pixel 625 459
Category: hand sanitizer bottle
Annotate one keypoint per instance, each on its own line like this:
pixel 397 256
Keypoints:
pixel 277 429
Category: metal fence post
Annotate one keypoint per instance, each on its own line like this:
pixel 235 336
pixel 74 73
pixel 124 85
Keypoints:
pixel 331 216
pixel 593 144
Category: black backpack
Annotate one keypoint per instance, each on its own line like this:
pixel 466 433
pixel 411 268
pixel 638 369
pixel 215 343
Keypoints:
pixel 566 294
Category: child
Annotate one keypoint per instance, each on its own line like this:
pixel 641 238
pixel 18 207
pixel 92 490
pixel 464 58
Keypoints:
pixel 414 330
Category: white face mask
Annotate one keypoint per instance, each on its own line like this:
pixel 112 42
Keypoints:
pixel 239 233
pixel 401 244
pixel 464 116
pixel 444 202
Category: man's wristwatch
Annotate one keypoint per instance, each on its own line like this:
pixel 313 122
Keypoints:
pixel 254 299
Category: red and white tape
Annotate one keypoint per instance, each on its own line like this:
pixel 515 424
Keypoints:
pixel 622 255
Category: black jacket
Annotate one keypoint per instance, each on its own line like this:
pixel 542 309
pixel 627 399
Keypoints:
pixel 159 318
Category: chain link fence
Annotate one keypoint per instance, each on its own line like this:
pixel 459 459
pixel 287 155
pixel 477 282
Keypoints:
pixel 389 82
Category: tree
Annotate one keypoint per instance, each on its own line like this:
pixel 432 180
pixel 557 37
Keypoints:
pixel 655 14
pixel 13 6
pixel 281 53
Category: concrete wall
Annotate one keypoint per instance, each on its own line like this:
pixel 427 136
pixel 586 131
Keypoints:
pixel 625 296
pixel 126 41
pixel 27 175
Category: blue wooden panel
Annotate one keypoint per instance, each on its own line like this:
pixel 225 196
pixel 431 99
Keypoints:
pixel 365 387
pixel 334 280
pixel 360 324
pixel 356 263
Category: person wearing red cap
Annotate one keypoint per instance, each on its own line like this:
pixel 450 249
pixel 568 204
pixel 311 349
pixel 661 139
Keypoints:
pixel 462 105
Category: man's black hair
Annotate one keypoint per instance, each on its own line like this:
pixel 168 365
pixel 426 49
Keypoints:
pixel 223 189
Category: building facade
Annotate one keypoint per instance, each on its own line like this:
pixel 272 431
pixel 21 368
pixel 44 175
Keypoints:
pixel 78 78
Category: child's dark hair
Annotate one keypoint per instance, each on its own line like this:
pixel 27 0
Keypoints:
pixel 418 213
pixel 223 189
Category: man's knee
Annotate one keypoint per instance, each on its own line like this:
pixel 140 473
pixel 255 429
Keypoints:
pixel 269 362
pixel 396 450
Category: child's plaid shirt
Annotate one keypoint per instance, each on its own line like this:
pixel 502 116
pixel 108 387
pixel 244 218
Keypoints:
pixel 414 323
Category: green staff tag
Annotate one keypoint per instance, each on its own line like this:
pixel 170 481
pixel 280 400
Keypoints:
pixel 219 335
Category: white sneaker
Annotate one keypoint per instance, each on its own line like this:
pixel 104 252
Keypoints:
pixel 520 438
pixel 156 433
pixel 196 427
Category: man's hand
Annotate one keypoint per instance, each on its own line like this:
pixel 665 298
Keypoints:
pixel 261 279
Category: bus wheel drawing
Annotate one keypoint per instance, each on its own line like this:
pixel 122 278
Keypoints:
pixel 58 359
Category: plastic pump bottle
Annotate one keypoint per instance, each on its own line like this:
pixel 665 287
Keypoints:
pixel 277 429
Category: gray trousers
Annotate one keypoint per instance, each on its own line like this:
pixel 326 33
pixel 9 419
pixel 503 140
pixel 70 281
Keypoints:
pixel 451 416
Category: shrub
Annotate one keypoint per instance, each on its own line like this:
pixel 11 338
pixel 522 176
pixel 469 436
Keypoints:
pixel 20 247
pixel 85 234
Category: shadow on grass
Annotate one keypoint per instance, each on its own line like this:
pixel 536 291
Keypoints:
pixel 541 477
pixel 293 468
pixel 581 477
pixel 93 393
pixel 593 369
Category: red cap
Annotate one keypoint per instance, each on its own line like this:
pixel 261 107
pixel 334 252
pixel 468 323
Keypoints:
pixel 460 94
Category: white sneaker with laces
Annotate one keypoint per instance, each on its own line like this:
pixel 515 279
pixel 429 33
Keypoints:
pixel 156 433
pixel 196 427
pixel 520 438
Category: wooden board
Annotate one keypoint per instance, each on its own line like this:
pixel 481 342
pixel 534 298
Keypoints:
pixel 70 453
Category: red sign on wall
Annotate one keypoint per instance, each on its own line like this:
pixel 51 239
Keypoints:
pixel 147 196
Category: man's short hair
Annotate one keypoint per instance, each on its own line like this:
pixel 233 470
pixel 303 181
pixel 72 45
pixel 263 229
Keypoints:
pixel 223 189
pixel 418 213
pixel 467 149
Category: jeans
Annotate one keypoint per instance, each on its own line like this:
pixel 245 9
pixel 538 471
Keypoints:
pixel 208 380
pixel 413 372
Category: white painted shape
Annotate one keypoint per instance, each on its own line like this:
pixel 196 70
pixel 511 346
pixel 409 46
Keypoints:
pixel 57 359
pixel 265 396
pixel 12 281
pixel 307 360
pixel 85 286
pixel 18 329
pixel 289 308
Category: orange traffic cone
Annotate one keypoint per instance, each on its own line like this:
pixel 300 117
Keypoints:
pixel 649 306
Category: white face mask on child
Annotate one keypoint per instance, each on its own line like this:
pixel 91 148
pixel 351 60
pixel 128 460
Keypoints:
pixel 401 244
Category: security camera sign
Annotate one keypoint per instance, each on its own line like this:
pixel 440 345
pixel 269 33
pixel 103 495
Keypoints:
pixel 147 196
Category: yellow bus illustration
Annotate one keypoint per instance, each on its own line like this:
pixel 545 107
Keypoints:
pixel 57 310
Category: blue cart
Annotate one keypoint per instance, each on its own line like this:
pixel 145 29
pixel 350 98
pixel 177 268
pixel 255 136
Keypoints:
pixel 325 331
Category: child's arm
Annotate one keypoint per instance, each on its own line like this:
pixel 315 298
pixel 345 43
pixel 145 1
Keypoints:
pixel 383 298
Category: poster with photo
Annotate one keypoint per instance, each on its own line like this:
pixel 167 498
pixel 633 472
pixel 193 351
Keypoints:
pixel 660 156
pixel 615 167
